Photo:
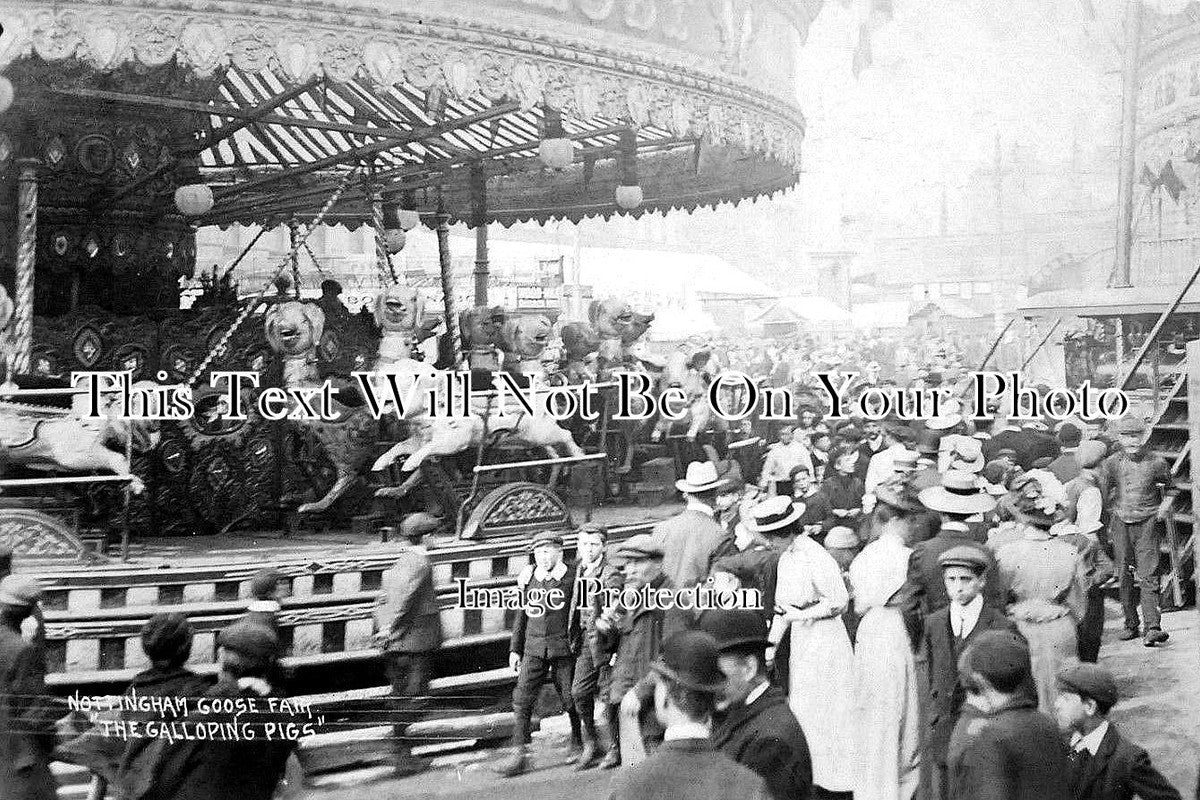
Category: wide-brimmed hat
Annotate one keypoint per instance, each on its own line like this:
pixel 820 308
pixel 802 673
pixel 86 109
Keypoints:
pixel 905 461
pixel 900 493
pixel 943 422
pixel 958 494
pixel 701 477
pixel 735 627
pixel 774 514
pixel 689 658
pixel 841 538
pixel 1131 425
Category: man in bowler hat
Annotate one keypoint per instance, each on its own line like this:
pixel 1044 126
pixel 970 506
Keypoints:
pixel 1104 764
pixel 688 681
pixel 753 724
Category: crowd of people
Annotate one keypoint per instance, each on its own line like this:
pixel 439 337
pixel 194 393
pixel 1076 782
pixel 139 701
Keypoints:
pixel 931 617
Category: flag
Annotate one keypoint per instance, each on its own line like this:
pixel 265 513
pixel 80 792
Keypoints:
pixel 862 52
pixel 1170 181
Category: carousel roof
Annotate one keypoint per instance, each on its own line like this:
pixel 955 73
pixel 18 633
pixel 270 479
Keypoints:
pixel 443 105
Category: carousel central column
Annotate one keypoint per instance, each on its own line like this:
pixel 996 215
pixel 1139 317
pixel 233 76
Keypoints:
pixel 27 208
pixel 481 265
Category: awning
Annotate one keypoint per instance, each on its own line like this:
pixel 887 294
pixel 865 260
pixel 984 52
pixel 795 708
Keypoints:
pixel 1109 302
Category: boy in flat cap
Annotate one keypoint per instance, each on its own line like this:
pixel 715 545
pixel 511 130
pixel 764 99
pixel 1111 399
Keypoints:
pixel 408 628
pixel 687 766
pixel 592 672
pixel 26 719
pixel 636 634
pixel 948 633
pixel 1105 765
pixel 1136 481
pixel 1005 749
pixel 540 647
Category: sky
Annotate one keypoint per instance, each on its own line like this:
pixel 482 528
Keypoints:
pixel 947 77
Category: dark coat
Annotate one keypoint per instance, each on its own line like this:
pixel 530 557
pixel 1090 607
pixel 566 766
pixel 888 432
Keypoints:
pixel 545 636
pixel 687 769
pixel 1066 467
pixel 26 721
pixel 637 639
pixel 687 542
pixel 762 562
pixel 215 770
pixel 946 694
pixel 406 611
pixel 1014 753
pixel 1121 770
pixel 581 631
pixel 766 737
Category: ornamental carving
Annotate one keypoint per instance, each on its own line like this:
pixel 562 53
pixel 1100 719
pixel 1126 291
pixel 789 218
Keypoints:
pixel 516 508
pixel 642 57
pixel 35 534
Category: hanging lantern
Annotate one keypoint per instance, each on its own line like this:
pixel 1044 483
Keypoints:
pixel 555 150
pixel 629 197
pixel 629 194
pixel 394 239
pixel 407 216
pixel 7 93
pixel 194 199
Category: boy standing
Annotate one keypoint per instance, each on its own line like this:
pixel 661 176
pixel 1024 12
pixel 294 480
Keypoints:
pixel 948 632
pixel 1105 766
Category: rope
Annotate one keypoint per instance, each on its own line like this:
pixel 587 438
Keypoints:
pixel 27 200
pixel 253 304
pixel 316 263
pixel 383 259
pixel 294 255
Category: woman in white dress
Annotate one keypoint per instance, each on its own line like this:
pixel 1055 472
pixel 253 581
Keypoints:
pixel 810 596
pixel 887 722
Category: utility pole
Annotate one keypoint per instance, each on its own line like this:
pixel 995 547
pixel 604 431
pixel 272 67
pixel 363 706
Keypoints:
pixel 1133 35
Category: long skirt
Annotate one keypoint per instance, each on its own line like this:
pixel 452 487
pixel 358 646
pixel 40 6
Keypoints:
pixel 887 716
pixel 1050 644
pixel 821 694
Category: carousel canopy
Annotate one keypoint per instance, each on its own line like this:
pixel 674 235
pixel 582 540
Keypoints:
pixel 435 106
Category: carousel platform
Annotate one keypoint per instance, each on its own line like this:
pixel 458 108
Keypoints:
pixel 94 612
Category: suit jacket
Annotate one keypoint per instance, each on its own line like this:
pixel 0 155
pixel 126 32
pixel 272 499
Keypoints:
pixel 1121 770
pixel 545 636
pixel 1066 467
pixel 26 721
pixel 925 589
pixel 687 769
pixel 1013 753
pixel 581 629
pixel 637 639
pixel 766 737
pixel 946 694
pixel 688 541
pixel 407 608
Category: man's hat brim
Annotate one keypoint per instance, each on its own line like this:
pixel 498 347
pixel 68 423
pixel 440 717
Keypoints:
pixel 938 498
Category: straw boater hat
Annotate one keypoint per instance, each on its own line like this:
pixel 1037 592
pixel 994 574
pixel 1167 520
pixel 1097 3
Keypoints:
pixel 905 461
pixel 900 493
pixel 958 494
pixel 774 514
pixel 701 477
pixel 966 454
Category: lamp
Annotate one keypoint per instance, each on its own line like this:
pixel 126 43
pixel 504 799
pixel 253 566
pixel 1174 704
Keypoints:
pixel 629 193
pixel 406 216
pixel 194 199
pixel 555 150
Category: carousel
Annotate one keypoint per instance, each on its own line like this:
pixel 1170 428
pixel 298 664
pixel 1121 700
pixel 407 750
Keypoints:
pixel 125 128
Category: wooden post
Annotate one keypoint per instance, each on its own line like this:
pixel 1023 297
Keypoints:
pixel 27 211
pixel 1193 396
pixel 1126 177
pixel 481 266
pixel 443 237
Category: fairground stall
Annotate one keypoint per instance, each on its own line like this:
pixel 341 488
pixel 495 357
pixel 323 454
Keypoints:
pixel 127 126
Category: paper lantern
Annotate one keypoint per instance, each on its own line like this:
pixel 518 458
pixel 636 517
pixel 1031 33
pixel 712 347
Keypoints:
pixel 556 153
pixel 194 199
pixel 629 197
pixel 408 219
pixel 393 239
